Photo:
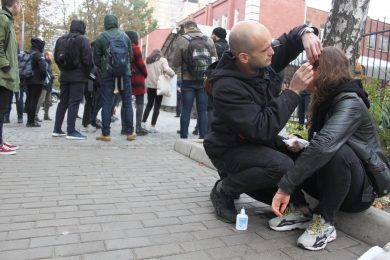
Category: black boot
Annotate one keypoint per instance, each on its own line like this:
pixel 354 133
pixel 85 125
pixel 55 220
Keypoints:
pixel 223 204
pixel 6 119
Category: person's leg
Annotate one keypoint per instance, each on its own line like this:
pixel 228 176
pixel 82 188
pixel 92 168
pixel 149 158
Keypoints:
pixel 188 95
pixel 139 103
pixel 88 106
pixel 76 91
pixel 152 93
pixel 4 98
pixel 127 108
pixel 62 107
pixel 107 94
pixel 20 102
pixel 156 109
pixel 178 99
pixel 40 103
pixel 46 105
pixel 97 105
pixel 201 105
pixel 9 108
pixel 34 92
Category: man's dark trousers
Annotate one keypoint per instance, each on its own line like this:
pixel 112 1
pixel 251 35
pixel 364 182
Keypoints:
pixel 4 100
pixel 70 99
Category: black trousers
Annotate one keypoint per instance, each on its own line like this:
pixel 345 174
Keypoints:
pixel 88 107
pixel 139 108
pixel 33 92
pixel 70 98
pixel 256 171
pixel 152 99
pixel 4 100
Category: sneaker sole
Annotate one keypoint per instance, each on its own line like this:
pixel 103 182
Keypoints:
pixel 8 153
pixel 75 138
pixel 302 226
pixel 58 135
pixel 331 238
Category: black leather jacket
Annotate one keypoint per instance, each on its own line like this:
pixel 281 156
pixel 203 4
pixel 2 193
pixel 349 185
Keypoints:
pixel 348 122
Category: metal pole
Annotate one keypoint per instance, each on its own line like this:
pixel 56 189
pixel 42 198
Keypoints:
pixel 22 37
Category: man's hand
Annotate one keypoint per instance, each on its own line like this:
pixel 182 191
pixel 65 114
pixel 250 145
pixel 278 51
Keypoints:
pixel 302 78
pixel 312 45
pixel 280 202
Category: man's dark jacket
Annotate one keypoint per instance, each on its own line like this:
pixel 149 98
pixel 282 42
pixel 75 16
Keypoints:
pixel 221 46
pixel 250 108
pixel 38 63
pixel 82 49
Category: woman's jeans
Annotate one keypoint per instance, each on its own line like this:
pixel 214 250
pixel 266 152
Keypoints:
pixel 190 90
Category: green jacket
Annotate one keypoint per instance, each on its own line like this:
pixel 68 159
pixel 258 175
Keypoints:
pixel 8 56
pixel 101 44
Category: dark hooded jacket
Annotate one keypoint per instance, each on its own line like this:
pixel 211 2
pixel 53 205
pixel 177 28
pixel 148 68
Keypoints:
pixel 221 45
pixel 101 44
pixel 82 49
pixel 249 109
pixel 38 63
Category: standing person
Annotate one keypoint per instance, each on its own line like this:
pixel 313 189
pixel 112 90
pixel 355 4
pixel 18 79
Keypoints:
pixel 115 75
pixel 36 81
pixel 186 58
pixel 155 65
pixel 344 145
pixel 219 37
pixel 138 75
pixel 249 111
pixel 45 98
pixel 9 72
pixel 73 56
pixel 90 97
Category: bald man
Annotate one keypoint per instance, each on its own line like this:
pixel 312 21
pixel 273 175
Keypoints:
pixel 250 110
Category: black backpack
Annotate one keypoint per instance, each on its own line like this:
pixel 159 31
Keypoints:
pixel 65 55
pixel 25 64
pixel 198 56
pixel 117 55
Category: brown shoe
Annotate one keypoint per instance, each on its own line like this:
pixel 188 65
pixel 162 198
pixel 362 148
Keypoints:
pixel 105 138
pixel 131 137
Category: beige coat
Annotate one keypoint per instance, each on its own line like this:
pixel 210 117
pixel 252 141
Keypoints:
pixel 155 69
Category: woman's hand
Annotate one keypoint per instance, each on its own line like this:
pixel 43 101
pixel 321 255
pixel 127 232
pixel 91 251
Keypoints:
pixel 280 202
pixel 292 144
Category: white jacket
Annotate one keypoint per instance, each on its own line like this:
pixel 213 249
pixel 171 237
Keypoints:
pixel 155 69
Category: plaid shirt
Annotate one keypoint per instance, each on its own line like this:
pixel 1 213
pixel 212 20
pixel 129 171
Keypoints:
pixel 138 70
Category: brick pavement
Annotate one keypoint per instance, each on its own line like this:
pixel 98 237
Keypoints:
pixel 62 199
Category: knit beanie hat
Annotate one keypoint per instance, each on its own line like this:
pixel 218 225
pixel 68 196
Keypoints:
pixel 220 32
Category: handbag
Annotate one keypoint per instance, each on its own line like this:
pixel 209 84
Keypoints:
pixel 164 85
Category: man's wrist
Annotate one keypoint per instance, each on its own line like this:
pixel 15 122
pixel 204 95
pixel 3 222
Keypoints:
pixel 306 30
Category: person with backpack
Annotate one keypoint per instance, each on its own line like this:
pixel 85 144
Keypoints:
pixel 9 73
pixel 138 75
pixel 36 81
pixel 156 66
pixel 73 55
pixel 219 37
pixel 112 54
pixel 194 52
pixel 45 98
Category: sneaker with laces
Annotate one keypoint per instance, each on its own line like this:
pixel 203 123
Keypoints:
pixel 223 204
pixel 11 146
pixel 58 133
pixel 84 129
pixel 291 219
pixel 317 235
pixel 4 150
pixel 131 137
pixel 104 138
pixel 75 135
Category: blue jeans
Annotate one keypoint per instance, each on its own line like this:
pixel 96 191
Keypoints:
pixel 107 94
pixel 191 89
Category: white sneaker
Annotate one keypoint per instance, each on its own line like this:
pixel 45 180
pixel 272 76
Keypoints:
pixel 143 125
pixel 291 219
pixel 83 129
pixel 89 128
pixel 317 235
pixel 153 130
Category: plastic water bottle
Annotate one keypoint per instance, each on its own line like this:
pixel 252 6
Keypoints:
pixel 242 220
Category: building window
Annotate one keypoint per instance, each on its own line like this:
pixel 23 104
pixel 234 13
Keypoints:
pixel 371 40
pixel 236 13
pixel 383 43
pixel 215 22
pixel 224 21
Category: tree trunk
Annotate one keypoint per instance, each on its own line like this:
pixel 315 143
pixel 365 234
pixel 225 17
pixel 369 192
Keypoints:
pixel 345 26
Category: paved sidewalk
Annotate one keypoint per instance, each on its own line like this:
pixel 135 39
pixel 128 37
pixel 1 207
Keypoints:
pixel 62 199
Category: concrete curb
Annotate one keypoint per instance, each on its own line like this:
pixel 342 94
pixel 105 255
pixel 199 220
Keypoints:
pixel 371 226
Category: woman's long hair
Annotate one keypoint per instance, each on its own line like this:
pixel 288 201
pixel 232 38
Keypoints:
pixel 154 56
pixel 133 35
pixel 334 71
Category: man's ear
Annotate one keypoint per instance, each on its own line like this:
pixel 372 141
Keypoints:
pixel 243 57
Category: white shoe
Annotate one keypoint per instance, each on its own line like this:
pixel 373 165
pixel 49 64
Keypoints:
pixel 153 130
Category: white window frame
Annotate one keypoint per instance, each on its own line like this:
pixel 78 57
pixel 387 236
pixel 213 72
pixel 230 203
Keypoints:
pixel 371 41
pixel 383 43
pixel 224 21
